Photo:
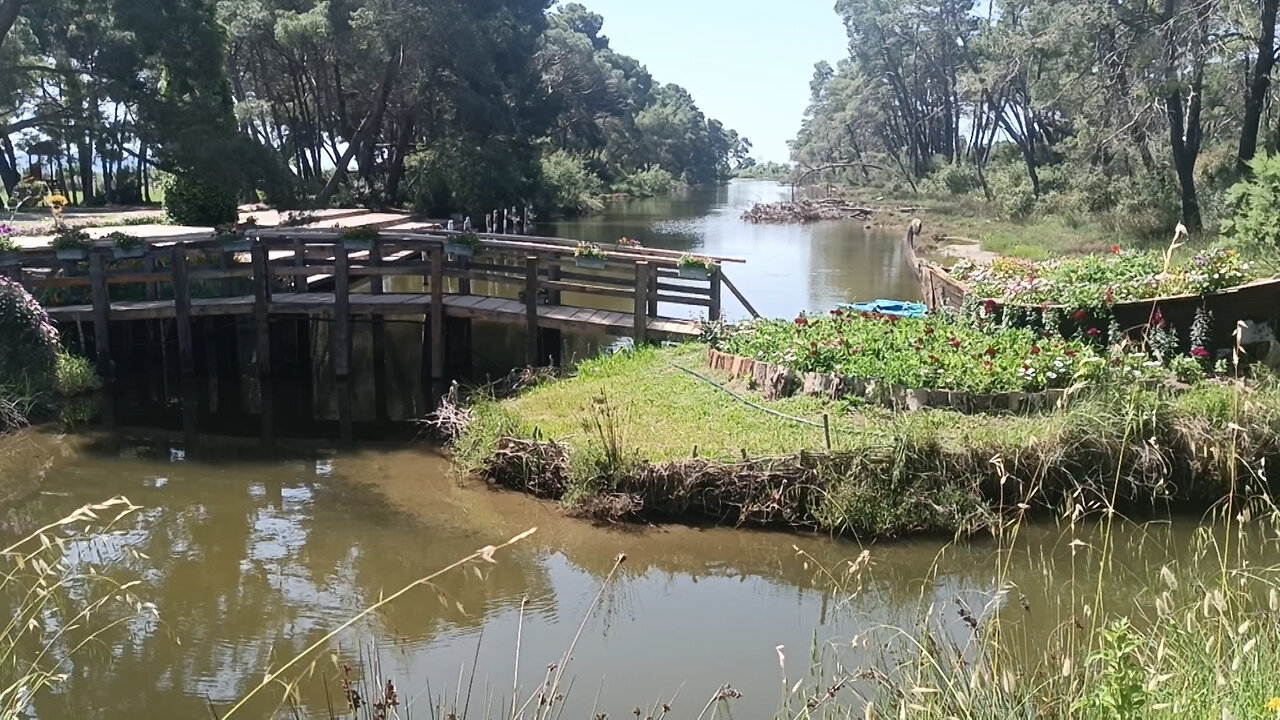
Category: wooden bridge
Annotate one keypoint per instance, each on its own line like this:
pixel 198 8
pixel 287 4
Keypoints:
pixel 532 282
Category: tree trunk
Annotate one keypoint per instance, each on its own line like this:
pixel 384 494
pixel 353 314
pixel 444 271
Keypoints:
pixel 1185 128
pixel 403 139
pixel 1259 83
pixel 362 132
pixel 9 10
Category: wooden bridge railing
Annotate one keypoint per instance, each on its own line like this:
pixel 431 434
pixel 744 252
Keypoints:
pixel 539 270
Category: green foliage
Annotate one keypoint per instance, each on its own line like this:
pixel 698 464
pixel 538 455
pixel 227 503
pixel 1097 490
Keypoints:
pixel 71 238
pixel 953 179
pixel 763 171
pixel 462 177
pixel 927 353
pixel 74 375
pixel 1255 202
pixel 362 232
pixel 1095 281
pixel 652 181
pixel 124 241
pixel 191 200
pixel 569 185
pixel 28 340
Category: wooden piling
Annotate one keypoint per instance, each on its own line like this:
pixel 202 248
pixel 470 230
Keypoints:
pixel 261 308
pixel 531 310
pixel 149 266
pixel 300 282
pixel 641 328
pixel 652 273
pixel 714 313
pixel 379 331
pixel 341 313
pixel 182 309
pixel 437 324
pixel 101 311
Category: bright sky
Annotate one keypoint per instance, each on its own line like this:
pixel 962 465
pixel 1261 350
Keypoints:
pixel 746 62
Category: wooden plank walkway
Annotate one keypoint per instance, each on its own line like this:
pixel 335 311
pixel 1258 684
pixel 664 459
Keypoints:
pixel 320 304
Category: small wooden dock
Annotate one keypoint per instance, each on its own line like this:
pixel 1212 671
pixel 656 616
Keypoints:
pixel 271 274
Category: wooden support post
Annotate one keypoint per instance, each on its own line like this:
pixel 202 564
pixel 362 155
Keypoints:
pixel 341 313
pixel 553 274
pixel 652 273
pixel 300 282
pixel 212 369
pixel 101 311
pixel 437 325
pixel 182 310
pixel 464 283
pixel 640 330
pixel 379 333
pixel 224 263
pixel 149 266
pixel 531 310
pixel 714 313
pixel 262 308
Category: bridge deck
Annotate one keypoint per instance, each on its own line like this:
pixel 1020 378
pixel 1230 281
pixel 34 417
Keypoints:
pixel 479 307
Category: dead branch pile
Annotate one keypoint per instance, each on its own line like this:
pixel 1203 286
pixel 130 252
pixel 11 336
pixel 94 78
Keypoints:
pixel 805 211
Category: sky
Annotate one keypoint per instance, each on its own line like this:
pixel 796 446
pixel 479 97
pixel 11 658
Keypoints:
pixel 747 63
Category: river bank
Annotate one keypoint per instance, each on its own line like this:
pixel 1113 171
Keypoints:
pixel 637 437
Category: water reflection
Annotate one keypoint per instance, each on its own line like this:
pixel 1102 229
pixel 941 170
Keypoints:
pixel 789 268
pixel 252 557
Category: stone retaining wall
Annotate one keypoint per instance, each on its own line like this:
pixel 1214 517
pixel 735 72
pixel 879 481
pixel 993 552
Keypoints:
pixel 777 381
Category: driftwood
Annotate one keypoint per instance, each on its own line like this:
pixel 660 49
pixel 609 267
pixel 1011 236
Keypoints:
pixel 805 211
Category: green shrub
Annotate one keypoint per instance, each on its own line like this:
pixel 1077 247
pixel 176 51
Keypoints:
pixel 568 185
pixel 650 182
pixel 1015 198
pixel 74 375
pixel 28 340
pixel 191 201
pixel 1254 220
pixel 458 176
pixel 952 179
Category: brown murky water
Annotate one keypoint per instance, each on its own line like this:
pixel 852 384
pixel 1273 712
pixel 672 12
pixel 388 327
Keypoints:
pixel 258 544
pixel 253 557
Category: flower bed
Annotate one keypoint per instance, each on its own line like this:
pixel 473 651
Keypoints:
pixel 1095 281
pixel 929 352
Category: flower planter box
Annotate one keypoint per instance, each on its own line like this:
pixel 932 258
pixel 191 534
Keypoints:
pixel 71 253
pixel 237 246
pixel 10 259
pixel 694 272
pixel 459 250
pixel 128 253
pixel 590 263
pixel 351 245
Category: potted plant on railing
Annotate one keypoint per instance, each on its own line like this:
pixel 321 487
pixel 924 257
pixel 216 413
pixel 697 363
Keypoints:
pixel 10 252
pixel 359 238
pixel 125 246
pixel 231 239
pixel 589 255
pixel 464 245
pixel 629 242
pixel 71 244
pixel 696 267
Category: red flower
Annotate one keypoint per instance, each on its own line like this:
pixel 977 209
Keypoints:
pixel 954 342
pixel 1035 349
pixel 1199 353
pixel 1115 249
pixel 802 321
pixel 1093 332
pixel 928 330
pixel 991 351
pixel 989 306
pixel 837 312
pixel 1079 315
pixel 1070 353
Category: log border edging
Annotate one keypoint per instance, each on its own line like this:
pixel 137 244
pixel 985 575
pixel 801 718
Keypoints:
pixel 778 381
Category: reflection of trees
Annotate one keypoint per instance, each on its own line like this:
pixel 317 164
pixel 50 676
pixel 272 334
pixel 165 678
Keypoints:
pixel 850 263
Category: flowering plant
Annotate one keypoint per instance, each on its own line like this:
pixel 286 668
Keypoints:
pixel 1094 281
pixel 588 250
pixel 629 242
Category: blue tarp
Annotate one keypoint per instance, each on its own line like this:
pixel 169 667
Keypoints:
pixel 899 308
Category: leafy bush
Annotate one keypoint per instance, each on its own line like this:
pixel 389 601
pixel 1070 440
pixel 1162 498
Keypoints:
pixel 1100 280
pixel 568 185
pixel 74 375
pixel 919 353
pixel 650 182
pixel 28 340
pixel 191 201
pixel 952 179
pixel 1254 223
pixel 1014 195
pixel 461 177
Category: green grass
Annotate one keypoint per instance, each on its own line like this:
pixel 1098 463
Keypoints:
pixel 887 473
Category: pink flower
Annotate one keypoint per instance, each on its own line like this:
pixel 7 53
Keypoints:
pixel 1115 250
pixel 802 321
pixel 1199 353
pixel 1093 332
pixel 1079 315
pixel 990 306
